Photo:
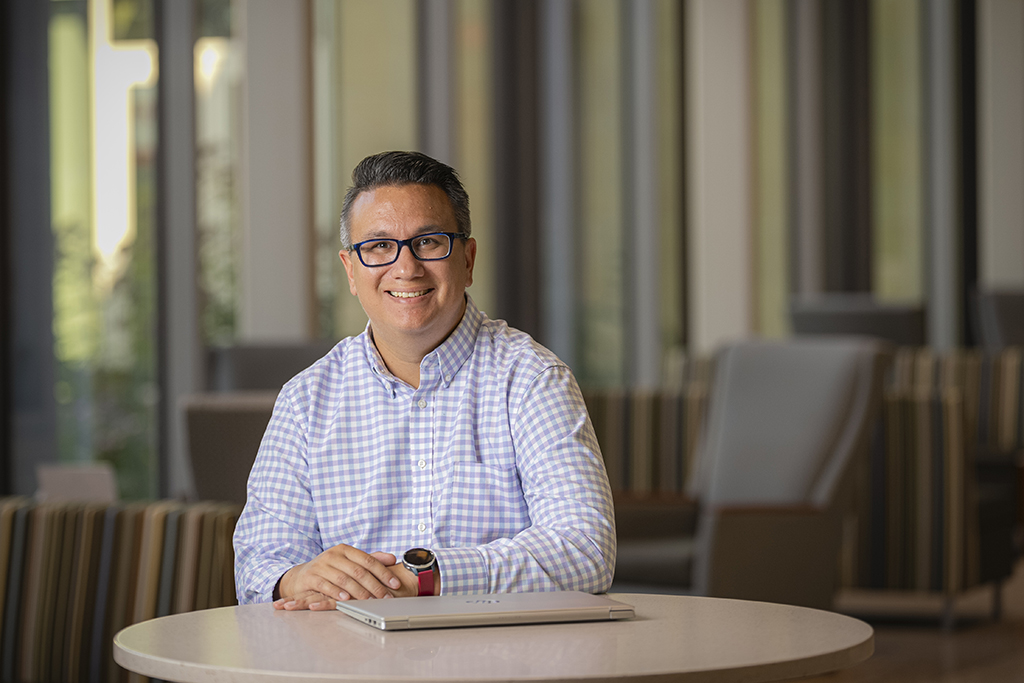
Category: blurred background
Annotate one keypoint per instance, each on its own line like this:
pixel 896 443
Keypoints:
pixel 648 179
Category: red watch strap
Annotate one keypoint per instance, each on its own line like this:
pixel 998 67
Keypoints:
pixel 426 579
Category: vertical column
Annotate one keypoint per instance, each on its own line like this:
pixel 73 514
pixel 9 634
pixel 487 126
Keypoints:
pixel 671 153
pixel 474 143
pixel 847 158
pixel 942 192
pixel 967 117
pixel 33 436
pixel 641 237
pixel 806 147
pixel 773 222
pixel 275 268
pixel 329 180
pixel 435 79
pixel 516 131
pixel 181 359
pixel 558 220
pixel 1001 143
pixel 6 260
pixel 718 167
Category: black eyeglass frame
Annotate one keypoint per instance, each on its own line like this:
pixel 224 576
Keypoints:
pixel 452 236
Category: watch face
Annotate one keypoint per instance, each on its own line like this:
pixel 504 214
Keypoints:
pixel 418 557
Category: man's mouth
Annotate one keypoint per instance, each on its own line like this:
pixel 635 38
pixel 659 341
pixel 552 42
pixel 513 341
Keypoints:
pixel 408 295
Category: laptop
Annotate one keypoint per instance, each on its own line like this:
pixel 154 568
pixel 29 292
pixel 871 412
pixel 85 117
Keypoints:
pixel 446 611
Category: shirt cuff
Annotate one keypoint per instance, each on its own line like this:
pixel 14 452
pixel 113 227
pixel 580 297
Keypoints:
pixel 264 586
pixel 464 571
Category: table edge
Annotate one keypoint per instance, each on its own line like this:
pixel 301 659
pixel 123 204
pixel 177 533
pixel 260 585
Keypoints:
pixel 185 672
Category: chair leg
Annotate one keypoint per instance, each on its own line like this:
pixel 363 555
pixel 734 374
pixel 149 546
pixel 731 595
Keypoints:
pixel 948 613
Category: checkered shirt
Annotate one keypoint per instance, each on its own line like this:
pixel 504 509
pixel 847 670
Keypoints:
pixel 492 463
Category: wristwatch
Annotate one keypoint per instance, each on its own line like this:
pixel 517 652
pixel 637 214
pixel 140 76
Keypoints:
pixel 423 564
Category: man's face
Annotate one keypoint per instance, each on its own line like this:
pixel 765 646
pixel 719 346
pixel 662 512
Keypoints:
pixel 409 297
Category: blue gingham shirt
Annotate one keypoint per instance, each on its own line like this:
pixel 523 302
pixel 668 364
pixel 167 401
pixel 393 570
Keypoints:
pixel 492 463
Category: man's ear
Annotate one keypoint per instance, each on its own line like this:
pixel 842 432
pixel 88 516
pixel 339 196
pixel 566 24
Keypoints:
pixel 346 258
pixel 470 259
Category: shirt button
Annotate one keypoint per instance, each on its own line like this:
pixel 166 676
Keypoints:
pixel 422 527
pixel 422 403
pixel 447 378
pixel 422 463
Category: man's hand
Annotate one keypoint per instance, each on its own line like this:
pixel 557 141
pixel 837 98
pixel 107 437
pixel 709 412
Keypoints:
pixel 343 573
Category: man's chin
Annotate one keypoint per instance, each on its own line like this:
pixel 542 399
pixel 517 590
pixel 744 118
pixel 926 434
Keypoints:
pixel 422 325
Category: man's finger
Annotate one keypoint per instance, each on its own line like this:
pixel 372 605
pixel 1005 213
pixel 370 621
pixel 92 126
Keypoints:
pixel 370 573
pixel 305 600
pixel 386 559
pixel 378 564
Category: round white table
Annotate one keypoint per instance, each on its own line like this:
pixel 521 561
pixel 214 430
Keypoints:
pixel 672 638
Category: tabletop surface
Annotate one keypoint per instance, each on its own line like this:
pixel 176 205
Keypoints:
pixel 673 637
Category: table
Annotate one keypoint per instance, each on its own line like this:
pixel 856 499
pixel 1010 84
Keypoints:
pixel 672 638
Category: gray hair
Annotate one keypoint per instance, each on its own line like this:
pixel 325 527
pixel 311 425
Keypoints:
pixel 392 169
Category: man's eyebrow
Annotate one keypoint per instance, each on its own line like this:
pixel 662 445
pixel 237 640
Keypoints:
pixel 424 230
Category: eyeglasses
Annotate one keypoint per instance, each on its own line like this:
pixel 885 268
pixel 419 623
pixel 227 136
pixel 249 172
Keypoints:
pixel 432 246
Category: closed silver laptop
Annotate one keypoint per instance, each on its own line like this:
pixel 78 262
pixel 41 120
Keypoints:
pixel 444 611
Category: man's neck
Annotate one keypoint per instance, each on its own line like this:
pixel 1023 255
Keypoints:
pixel 404 366
pixel 403 356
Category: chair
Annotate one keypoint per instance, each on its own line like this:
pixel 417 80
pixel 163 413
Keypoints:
pixel 258 367
pixel 225 425
pixel 224 433
pixel 80 482
pixel 855 313
pixel 999 319
pixel 786 423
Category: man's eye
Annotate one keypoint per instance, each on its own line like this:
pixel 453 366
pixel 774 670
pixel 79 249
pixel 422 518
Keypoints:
pixel 381 246
pixel 428 242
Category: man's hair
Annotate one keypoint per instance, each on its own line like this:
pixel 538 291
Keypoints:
pixel 392 169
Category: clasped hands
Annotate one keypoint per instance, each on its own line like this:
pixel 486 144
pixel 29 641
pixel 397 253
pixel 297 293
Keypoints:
pixel 344 573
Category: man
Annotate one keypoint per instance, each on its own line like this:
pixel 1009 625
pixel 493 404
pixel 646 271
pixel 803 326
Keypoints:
pixel 437 452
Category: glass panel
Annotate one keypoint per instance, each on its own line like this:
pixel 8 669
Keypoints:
pixel 219 66
pixel 896 150
pixel 365 102
pixel 103 98
pixel 600 181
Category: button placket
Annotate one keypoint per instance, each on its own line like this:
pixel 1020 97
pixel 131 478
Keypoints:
pixel 422 446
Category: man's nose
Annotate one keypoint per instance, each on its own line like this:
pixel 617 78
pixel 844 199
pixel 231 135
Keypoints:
pixel 407 264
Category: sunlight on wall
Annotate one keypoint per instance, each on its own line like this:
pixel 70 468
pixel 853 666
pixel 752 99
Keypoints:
pixel 116 71
pixel 210 54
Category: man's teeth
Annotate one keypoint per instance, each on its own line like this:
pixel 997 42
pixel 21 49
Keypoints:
pixel 408 295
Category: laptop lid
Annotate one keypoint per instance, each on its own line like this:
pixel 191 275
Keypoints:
pixel 445 611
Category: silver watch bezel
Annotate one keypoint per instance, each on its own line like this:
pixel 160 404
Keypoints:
pixel 417 568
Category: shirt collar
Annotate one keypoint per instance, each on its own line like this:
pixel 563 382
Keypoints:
pixel 454 350
pixel 449 356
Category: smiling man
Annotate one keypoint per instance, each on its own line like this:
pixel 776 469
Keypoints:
pixel 437 452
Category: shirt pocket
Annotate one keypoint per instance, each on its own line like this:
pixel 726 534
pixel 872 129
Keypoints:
pixel 487 503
